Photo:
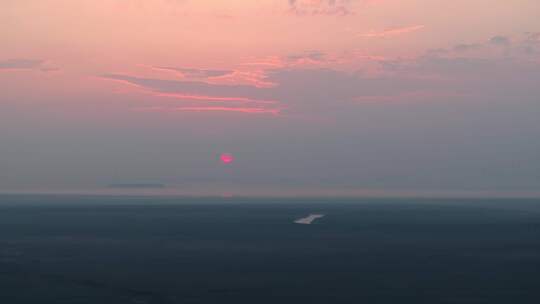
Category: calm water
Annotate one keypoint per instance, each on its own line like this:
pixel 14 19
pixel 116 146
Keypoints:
pixel 69 249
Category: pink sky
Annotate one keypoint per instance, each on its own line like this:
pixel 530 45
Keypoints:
pixel 78 41
pixel 211 70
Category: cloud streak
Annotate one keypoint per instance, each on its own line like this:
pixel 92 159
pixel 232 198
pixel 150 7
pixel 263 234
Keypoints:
pixel 196 73
pixel 320 7
pixel 24 64
pixel 202 95
pixel 393 31
pixel 215 98
pixel 243 110
pixel 21 64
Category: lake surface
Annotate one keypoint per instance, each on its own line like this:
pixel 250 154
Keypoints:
pixel 98 249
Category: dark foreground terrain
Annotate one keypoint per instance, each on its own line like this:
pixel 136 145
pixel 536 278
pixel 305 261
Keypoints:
pixel 69 249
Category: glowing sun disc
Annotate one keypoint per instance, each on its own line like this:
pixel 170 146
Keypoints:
pixel 226 158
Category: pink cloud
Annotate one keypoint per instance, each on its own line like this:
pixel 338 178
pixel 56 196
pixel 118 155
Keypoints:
pixel 256 78
pixel 27 64
pixel 320 7
pixel 244 76
pixel 214 98
pixel 269 62
pixel 244 110
pixel 393 31
pixel 185 95
pixel 194 73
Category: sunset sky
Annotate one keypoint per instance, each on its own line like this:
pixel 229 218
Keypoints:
pixel 300 96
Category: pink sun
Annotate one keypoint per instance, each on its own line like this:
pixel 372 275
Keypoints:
pixel 226 158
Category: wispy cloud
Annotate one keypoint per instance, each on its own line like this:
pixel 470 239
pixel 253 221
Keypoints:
pixel 244 110
pixel 215 98
pixel 311 57
pixel 202 97
pixel 393 31
pixel 467 47
pixel 320 7
pixel 27 64
pixel 20 64
pixel 500 40
pixel 460 72
pixel 270 62
pixel 189 88
pixel 196 73
pixel 246 76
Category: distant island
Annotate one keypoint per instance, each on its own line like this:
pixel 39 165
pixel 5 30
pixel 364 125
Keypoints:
pixel 309 219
